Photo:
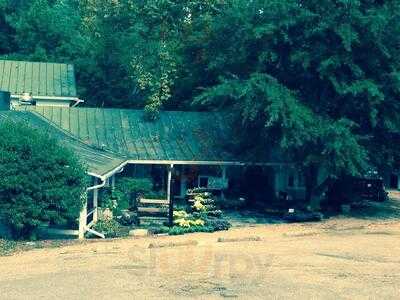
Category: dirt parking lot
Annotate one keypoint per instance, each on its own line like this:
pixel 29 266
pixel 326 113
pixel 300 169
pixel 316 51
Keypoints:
pixel 346 257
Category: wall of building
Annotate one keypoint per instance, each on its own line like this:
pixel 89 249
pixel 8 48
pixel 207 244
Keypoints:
pixel 289 180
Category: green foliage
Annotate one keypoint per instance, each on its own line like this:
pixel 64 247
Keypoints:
pixel 217 224
pixel 178 230
pixel 115 200
pixel 317 79
pixel 7 247
pixel 123 196
pixel 158 229
pixel 40 182
pixel 110 228
pixel 204 217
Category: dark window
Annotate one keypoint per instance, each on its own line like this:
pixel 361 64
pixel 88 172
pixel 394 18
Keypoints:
pixel 291 180
pixel 394 181
pixel 203 181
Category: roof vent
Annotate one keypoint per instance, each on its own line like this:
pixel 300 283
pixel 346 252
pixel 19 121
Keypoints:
pixel 26 99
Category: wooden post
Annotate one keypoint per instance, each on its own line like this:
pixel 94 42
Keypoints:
pixel 170 196
pixel 95 202
pixel 83 219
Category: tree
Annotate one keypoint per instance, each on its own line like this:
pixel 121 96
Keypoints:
pixel 319 79
pixel 41 182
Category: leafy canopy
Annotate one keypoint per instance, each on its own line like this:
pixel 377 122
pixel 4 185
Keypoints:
pixel 319 79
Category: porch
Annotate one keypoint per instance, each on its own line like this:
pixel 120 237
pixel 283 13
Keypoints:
pixel 235 184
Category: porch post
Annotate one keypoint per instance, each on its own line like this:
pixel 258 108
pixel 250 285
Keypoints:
pixel 95 202
pixel 113 181
pixel 170 196
pixel 83 219
pixel 398 180
pixel 223 180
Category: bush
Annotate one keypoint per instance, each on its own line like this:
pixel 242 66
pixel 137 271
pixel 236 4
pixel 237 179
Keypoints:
pixel 123 196
pixel 158 229
pixel 218 224
pixel 110 228
pixel 41 182
pixel 204 217
pixel 177 230
pixel 7 247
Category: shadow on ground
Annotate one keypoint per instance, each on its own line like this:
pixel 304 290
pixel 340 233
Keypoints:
pixel 389 209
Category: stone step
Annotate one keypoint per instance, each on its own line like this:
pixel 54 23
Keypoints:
pixel 153 202
pixel 153 210
pixel 147 220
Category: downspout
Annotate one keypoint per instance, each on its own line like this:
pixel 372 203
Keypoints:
pixel 77 102
pixel 84 214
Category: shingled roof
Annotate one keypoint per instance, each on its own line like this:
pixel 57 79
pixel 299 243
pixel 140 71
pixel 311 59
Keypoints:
pixel 175 136
pixel 38 78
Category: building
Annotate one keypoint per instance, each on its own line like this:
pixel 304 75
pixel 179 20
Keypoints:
pixel 188 149
pixel 39 83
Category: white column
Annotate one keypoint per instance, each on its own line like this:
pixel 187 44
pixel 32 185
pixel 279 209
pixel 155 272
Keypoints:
pixel 170 197
pixel 95 202
pixel 223 180
pixel 83 219
pixel 169 182
pixel 113 181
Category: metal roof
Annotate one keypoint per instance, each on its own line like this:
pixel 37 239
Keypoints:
pixel 37 78
pixel 175 136
pixel 97 162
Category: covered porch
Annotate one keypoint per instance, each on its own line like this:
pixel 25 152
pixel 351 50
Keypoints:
pixel 175 180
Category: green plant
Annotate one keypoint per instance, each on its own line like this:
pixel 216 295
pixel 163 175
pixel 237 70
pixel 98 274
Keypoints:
pixel 41 182
pixel 115 200
pixel 217 224
pixel 158 229
pixel 123 195
pixel 110 228
pixel 7 247
pixel 130 188
pixel 177 230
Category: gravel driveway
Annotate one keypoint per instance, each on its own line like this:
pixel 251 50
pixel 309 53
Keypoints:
pixel 341 258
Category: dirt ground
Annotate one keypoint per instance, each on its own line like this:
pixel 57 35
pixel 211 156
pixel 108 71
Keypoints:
pixel 346 257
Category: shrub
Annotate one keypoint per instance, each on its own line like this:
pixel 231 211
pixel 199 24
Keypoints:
pixel 7 247
pixel 110 228
pixel 41 182
pixel 123 196
pixel 177 230
pixel 114 200
pixel 158 229
pixel 218 224
pixel 204 217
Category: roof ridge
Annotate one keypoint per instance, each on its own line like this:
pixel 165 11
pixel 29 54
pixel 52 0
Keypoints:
pixel 35 61
pixel 142 110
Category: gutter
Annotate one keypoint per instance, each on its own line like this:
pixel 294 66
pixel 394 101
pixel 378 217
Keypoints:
pixel 174 162
pixel 76 99
pixel 98 186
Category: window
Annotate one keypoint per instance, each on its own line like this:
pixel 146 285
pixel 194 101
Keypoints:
pixel 301 180
pixel 203 181
pixel 291 180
